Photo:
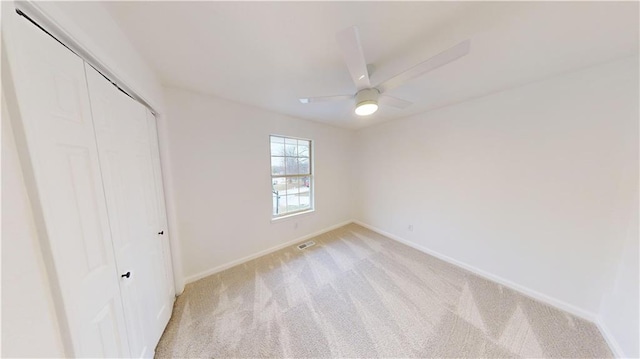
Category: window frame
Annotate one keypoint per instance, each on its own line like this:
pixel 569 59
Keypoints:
pixel 276 217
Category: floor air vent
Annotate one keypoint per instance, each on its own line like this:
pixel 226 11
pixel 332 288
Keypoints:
pixel 306 244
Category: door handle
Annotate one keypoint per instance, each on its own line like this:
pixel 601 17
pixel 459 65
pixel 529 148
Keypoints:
pixel 161 232
pixel 126 275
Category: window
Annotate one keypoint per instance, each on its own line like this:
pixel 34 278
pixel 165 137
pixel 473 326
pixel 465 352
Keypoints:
pixel 291 176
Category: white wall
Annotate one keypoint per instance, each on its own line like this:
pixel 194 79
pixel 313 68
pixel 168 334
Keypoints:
pixel 220 152
pixel 523 184
pixel 619 314
pixel 29 324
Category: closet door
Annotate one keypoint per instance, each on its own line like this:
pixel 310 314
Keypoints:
pixel 116 119
pixel 124 146
pixel 164 266
pixel 58 151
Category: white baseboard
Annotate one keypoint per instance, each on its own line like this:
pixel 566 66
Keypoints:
pixel 236 262
pixel 611 340
pixel 492 277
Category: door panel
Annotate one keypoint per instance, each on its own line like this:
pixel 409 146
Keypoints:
pixel 103 327
pixel 58 147
pixel 162 212
pixel 113 113
pixel 163 262
pixel 124 146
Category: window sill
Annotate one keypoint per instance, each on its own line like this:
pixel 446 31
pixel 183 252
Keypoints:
pixel 289 216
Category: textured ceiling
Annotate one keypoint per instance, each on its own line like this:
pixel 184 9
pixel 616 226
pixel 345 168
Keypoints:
pixel 268 54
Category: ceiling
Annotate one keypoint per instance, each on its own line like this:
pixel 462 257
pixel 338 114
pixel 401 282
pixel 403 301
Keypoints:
pixel 269 54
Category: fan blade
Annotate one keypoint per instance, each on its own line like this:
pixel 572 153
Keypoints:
pixel 349 42
pixel 433 63
pixel 326 98
pixel 394 101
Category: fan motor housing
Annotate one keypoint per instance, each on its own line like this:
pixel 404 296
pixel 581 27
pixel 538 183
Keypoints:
pixel 366 96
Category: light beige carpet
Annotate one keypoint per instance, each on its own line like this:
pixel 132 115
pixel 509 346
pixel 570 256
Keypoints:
pixel 359 294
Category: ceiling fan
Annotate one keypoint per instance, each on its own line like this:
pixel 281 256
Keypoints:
pixel 367 96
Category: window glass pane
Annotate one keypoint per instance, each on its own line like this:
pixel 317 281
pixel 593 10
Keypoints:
pixel 279 184
pixel 303 148
pixel 277 166
pixel 291 147
pixel 276 199
pixel 277 149
pixel 282 205
pixel 292 194
pixel 291 164
pixel 305 193
pixel 293 203
pixel 278 192
pixel 303 166
pixel 277 146
pixel 293 184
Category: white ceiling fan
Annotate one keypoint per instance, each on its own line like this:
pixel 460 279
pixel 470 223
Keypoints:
pixel 367 96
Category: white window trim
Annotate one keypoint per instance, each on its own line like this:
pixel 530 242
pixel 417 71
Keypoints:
pixel 292 215
pixel 312 208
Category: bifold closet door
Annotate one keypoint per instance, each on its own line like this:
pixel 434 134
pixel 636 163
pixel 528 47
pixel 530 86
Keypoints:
pixel 124 147
pixel 166 265
pixel 57 145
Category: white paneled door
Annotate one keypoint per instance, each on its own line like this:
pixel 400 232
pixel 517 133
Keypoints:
pixel 60 157
pixel 165 272
pixel 116 118
pixel 125 149
pixel 90 155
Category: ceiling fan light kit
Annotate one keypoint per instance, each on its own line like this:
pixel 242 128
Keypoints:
pixel 367 102
pixel 367 95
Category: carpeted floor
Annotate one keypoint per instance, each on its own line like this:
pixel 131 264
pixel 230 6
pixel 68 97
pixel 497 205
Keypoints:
pixel 359 294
